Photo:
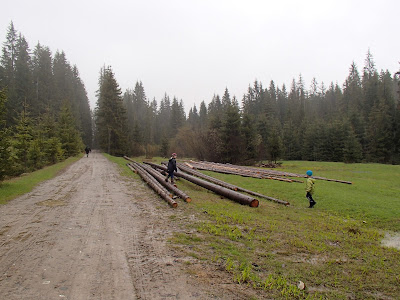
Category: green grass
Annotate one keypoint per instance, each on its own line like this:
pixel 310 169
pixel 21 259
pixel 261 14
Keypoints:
pixel 334 248
pixel 10 189
pixel 373 197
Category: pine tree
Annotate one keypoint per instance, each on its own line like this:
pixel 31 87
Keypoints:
pixel 43 79
pixel 380 134
pixel 352 152
pixel 251 139
pixel 231 134
pixel 23 75
pixel 111 116
pixel 352 92
pixel 370 83
pixel 4 138
pixel 68 134
pixel 21 142
pixel 52 151
pixel 8 62
pixel 84 122
pixel 274 145
pixel 177 117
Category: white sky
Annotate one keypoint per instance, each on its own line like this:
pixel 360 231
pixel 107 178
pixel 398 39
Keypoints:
pixel 193 49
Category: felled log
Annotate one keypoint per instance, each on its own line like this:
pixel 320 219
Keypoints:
pixel 209 178
pixel 231 186
pixel 161 179
pixel 153 184
pixel 233 195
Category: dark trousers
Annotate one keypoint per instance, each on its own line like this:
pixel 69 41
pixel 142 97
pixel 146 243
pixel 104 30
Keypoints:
pixel 171 174
pixel 310 198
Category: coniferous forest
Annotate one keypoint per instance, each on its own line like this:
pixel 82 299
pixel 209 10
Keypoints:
pixel 44 109
pixel 45 116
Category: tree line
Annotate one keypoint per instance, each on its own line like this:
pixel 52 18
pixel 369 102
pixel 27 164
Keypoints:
pixel 45 117
pixel 356 122
pixel 44 109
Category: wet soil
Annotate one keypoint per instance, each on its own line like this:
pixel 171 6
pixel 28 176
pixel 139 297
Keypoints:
pixel 90 233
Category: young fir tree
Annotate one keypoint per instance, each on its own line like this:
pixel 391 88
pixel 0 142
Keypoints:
pixel 111 116
pixel 51 145
pixel 69 136
pixel 21 142
pixel 4 139
pixel 274 145
pixel 352 152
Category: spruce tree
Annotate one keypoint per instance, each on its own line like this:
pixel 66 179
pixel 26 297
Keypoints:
pixel 43 80
pixel 23 135
pixel 231 134
pixel 111 116
pixel 4 138
pixel 23 76
pixel 8 62
pixel 352 152
pixel 68 134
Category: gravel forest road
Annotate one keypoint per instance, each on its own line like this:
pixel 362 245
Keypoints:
pixel 90 233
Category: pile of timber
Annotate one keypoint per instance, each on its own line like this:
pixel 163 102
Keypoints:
pixel 253 172
pixel 241 170
pixel 152 174
pixel 220 190
pixel 189 169
pixel 157 182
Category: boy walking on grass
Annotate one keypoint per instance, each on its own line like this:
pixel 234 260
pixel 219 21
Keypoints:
pixel 310 188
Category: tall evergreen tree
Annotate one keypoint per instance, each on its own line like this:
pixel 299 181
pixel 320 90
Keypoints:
pixel 4 138
pixel 231 133
pixel 111 115
pixel 23 76
pixel 42 74
pixel 8 62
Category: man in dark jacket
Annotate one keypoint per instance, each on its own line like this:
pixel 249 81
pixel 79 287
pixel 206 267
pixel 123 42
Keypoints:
pixel 87 150
pixel 171 168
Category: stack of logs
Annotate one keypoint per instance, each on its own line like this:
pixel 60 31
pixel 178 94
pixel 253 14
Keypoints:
pixel 152 174
pixel 253 172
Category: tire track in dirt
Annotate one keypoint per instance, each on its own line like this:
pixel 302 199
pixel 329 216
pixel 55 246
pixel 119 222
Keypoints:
pixel 90 234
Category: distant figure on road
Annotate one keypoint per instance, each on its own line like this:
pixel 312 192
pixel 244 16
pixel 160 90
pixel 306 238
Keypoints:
pixel 87 150
pixel 171 168
pixel 310 188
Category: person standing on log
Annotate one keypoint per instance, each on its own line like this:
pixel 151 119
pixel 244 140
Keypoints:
pixel 171 168
pixel 310 188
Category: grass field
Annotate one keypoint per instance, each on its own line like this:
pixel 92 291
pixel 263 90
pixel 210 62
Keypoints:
pixel 10 189
pixel 334 248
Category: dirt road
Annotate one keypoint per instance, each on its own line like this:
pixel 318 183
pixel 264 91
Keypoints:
pixel 91 234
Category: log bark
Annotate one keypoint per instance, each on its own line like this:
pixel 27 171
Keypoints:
pixel 230 186
pixel 235 196
pixel 152 183
pixel 161 179
pixel 209 178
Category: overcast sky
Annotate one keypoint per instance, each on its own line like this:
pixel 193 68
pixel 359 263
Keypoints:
pixel 194 49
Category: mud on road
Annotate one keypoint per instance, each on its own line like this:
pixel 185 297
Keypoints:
pixel 90 233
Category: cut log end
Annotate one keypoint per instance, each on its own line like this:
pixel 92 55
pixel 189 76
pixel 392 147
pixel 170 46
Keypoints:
pixel 188 200
pixel 174 205
pixel 254 203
